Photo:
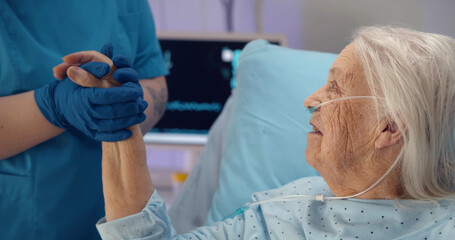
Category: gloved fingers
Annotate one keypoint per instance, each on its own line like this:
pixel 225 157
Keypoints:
pixel 107 50
pixel 119 110
pixel 79 58
pixel 109 125
pixel 113 95
pixel 134 85
pixel 124 75
pixel 121 61
pixel 97 69
pixel 114 136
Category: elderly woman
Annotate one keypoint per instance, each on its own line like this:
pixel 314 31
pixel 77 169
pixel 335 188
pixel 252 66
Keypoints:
pixel 383 142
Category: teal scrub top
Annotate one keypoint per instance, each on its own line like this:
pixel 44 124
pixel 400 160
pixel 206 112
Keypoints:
pixel 54 190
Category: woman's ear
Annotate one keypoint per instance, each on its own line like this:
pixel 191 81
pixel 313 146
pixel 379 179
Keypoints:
pixel 389 136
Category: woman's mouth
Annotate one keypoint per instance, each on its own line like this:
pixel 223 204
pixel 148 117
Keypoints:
pixel 315 130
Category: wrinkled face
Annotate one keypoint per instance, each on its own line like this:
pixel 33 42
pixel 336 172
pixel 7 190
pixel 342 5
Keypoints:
pixel 344 131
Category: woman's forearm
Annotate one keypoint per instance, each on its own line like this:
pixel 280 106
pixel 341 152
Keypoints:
pixel 22 125
pixel 127 185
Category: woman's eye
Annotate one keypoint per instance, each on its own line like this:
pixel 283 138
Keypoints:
pixel 333 86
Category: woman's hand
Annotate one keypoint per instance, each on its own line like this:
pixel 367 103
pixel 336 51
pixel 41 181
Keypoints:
pixel 127 185
pixel 70 68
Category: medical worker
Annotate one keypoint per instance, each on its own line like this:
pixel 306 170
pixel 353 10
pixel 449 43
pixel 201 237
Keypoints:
pixel 50 163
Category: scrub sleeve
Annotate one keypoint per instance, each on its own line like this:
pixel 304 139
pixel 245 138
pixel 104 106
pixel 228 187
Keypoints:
pixel 54 190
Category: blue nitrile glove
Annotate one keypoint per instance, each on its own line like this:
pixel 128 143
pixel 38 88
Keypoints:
pixel 100 113
pixel 120 61
pixel 124 73
pixel 108 50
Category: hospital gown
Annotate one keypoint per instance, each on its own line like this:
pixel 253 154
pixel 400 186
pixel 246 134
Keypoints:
pixel 300 219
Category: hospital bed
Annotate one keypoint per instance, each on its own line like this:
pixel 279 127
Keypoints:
pixel 258 141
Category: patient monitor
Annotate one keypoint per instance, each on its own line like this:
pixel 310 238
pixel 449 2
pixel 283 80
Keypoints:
pixel 202 75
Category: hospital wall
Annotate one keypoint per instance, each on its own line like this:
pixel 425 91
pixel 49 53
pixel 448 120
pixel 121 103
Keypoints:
pixel 321 25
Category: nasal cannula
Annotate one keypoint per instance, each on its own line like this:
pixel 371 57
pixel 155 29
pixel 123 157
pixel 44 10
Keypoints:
pixel 314 108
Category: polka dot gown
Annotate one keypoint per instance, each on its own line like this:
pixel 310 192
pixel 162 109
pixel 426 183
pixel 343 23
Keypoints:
pixel 300 219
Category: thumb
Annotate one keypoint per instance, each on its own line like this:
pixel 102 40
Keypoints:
pixel 107 50
pixel 85 79
pixel 82 78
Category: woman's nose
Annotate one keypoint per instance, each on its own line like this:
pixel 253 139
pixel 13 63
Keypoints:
pixel 312 100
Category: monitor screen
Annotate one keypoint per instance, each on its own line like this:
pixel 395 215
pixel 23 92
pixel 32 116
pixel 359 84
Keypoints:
pixel 201 79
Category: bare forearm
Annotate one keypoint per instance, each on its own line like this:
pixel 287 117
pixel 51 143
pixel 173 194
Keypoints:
pixel 155 93
pixel 22 125
pixel 127 185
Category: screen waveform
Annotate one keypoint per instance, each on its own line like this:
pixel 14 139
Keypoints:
pixel 181 106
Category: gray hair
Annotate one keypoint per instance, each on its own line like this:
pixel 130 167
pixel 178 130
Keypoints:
pixel 415 74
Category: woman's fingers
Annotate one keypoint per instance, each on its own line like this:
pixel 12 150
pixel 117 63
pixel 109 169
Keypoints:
pixel 85 79
pixel 77 59
pixel 60 70
pixel 85 57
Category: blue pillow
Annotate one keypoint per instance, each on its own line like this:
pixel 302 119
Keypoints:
pixel 266 135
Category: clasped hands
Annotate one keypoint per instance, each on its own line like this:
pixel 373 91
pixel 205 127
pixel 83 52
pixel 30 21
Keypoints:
pixel 106 103
pixel 102 102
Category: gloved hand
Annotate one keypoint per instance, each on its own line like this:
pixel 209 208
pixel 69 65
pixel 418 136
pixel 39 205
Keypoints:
pixel 101 113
